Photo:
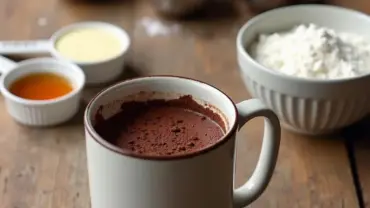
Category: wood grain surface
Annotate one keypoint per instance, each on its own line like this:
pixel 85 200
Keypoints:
pixel 358 135
pixel 358 142
pixel 46 168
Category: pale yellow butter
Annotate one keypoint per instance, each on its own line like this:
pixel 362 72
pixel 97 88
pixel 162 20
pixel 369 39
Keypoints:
pixel 89 45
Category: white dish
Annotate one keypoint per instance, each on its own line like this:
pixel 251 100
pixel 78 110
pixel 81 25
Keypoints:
pixel 6 64
pixel 43 112
pixel 308 106
pixel 97 72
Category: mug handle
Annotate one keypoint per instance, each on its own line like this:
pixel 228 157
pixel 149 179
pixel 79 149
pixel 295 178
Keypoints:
pixel 261 176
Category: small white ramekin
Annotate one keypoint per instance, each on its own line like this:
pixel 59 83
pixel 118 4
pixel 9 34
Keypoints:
pixel 307 106
pixel 97 72
pixel 43 112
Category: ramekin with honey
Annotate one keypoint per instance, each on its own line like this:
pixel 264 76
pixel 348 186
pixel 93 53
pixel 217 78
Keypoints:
pixel 42 91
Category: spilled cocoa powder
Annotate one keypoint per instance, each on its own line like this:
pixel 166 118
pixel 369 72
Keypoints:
pixel 162 127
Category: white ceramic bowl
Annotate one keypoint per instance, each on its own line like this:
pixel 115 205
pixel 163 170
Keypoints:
pixel 306 106
pixel 97 72
pixel 43 112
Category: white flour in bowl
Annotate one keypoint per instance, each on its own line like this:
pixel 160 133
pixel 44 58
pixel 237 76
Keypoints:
pixel 311 51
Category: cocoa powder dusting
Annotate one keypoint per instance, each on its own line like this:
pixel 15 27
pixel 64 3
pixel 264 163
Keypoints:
pixel 162 127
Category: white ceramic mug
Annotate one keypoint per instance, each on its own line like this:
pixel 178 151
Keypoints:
pixel 195 180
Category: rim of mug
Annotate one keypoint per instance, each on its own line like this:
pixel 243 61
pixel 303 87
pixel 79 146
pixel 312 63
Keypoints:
pixel 94 135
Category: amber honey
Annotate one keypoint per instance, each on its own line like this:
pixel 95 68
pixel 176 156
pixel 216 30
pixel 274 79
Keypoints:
pixel 41 86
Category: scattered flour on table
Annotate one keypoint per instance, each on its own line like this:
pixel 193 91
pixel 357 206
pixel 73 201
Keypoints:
pixel 155 27
pixel 42 21
pixel 310 51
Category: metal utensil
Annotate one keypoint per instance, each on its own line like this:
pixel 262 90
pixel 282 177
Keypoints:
pixel 263 5
pixel 177 8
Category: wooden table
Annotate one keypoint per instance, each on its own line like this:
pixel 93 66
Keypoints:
pixel 46 168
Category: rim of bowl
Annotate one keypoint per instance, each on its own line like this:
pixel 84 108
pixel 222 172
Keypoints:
pixel 105 144
pixel 122 36
pixel 70 66
pixel 246 55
